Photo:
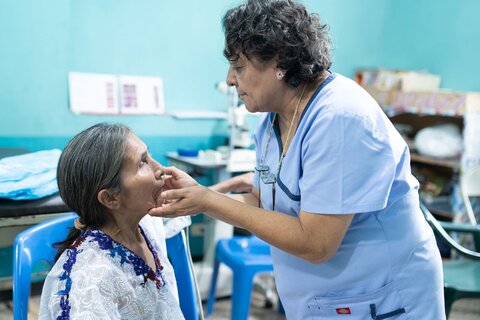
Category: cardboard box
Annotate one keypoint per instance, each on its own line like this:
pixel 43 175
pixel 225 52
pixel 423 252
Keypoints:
pixel 447 103
pixel 411 81
pixel 402 80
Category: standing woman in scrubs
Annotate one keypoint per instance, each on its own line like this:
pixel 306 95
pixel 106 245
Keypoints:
pixel 333 193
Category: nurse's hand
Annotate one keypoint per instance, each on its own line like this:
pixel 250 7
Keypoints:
pixel 238 184
pixel 183 202
pixel 176 179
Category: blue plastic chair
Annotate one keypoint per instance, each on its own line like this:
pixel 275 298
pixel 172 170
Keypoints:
pixel 182 268
pixel 31 246
pixel 246 256
pixel 35 244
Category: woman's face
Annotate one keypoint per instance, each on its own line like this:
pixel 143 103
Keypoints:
pixel 256 82
pixel 141 178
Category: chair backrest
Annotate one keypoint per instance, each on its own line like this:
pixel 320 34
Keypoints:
pixel 442 229
pixel 183 269
pixel 31 246
pixel 36 244
pixel 470 187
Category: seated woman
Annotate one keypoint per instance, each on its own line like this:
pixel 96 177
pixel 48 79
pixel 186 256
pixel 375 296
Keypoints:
pixel 113 264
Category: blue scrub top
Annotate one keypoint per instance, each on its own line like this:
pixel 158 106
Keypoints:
pixel 347 158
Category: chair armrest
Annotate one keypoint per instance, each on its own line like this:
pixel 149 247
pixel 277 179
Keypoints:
pixel 458 227
pixel 438 228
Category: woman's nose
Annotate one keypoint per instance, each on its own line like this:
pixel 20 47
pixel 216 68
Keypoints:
pixel 231 79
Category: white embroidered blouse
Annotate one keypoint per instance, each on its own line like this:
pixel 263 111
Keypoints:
pixel 99 278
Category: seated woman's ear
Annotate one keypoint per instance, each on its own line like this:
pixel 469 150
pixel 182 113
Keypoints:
pixel 108 199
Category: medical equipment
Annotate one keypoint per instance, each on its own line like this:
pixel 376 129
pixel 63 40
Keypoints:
pixel 240 157
pixel 239 135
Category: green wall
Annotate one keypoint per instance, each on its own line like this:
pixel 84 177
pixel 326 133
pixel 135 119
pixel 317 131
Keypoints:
pixel 442 37
pixel 181 41
pixel 43 40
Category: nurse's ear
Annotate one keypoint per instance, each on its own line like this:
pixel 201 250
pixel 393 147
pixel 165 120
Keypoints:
pixel 280 74
pixel 108 199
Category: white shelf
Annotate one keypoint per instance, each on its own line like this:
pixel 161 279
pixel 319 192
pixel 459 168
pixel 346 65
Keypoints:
pixel 198 114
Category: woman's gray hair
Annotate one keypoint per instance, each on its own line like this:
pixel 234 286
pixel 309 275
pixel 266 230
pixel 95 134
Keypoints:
pixel 92 161
pixel 265 29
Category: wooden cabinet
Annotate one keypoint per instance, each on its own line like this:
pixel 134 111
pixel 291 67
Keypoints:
pixel 418 110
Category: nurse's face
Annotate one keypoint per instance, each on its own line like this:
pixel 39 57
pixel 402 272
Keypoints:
pixel 141 178
pixel 256 82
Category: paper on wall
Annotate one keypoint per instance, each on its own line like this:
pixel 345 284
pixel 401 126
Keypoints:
pixel 141 95
pixel 93 93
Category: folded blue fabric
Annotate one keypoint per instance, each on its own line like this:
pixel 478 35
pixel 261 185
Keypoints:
pixel 29 176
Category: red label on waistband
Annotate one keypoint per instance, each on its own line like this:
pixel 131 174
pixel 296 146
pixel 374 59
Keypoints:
pixel 343 311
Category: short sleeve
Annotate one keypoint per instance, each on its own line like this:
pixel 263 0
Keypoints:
pixel 348 165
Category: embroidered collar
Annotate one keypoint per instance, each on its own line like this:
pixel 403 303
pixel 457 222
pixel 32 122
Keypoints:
pixel 105 242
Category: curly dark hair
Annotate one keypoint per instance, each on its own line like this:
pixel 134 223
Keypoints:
pixel 265 29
